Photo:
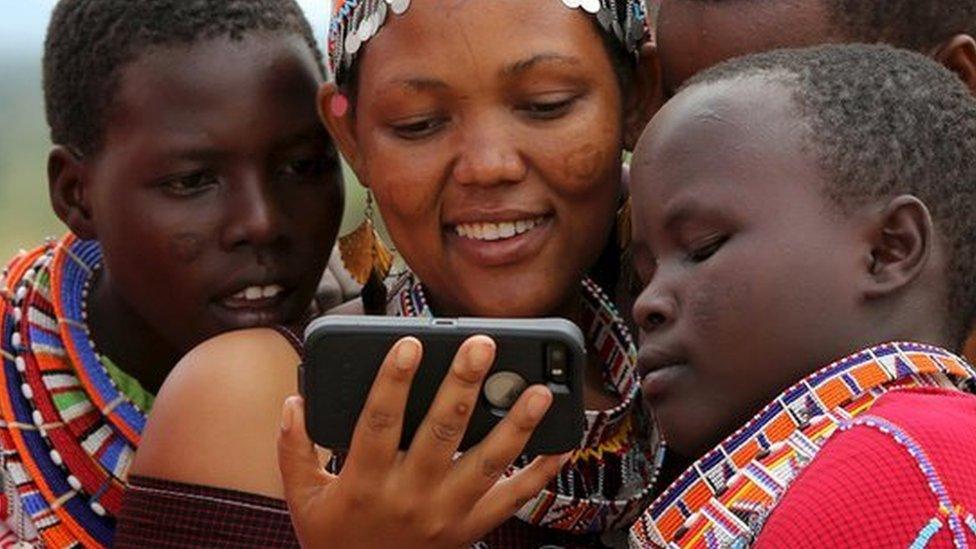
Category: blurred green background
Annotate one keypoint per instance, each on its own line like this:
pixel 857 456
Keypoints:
pixel 25 213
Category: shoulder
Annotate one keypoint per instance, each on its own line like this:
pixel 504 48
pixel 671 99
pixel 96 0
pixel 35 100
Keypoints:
pixel 354 307
pixel 223 398
pixel 868 485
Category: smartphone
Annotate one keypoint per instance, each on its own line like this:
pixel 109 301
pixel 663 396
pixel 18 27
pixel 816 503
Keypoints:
pixel 344 353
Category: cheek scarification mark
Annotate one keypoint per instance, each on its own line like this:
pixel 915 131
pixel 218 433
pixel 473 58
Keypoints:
pixel 187 247
pixel 583 165
pixel 714 302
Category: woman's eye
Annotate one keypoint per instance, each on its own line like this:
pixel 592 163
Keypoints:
pixel 548 110
pixel 419 129
pixel 707 249
pixel 191 183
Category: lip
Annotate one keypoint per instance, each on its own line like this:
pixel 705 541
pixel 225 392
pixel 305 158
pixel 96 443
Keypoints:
pixel 659 370
pixel 238 313
pixel 494 215
pixel 501 252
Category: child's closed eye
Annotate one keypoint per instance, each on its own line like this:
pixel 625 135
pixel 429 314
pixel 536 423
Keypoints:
pixel 706 248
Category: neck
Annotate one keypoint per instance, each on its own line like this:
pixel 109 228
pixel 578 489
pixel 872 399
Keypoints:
pixel 568 308
pixel 125 337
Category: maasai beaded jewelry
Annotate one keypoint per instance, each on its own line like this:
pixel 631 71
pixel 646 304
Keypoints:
pixel 71 430
pixel 724 499
pixel 611 478
pixel 354 22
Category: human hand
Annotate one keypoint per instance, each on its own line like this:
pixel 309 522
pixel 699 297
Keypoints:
pixel 423 497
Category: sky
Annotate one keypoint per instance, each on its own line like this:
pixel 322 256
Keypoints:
pixel 24 22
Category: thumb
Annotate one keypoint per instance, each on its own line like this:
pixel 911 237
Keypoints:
pixel 300 464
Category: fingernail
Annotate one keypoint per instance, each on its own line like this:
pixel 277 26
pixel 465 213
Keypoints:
pixel 287 415
pixel 537 406
pixel 406 355
pixel 479 357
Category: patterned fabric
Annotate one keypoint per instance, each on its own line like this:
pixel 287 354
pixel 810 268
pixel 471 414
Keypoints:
pixel 725 498
pixel 200 516
pixel 905 470
pixel 354 22
pixel 609 481
pixel 67 431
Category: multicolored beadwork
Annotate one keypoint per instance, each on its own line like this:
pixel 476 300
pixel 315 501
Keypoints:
pixel 610 480
pixel 354 22
pixel 724 499
pixel 68 433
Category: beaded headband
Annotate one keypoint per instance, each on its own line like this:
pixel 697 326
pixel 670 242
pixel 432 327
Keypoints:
pixel 356 21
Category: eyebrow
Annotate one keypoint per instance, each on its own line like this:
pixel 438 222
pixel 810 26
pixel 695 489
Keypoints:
pixel 423 84
pixel 681 213
pixel 524 65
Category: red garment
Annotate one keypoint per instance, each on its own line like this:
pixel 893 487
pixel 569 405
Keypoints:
pixel 867 489
pixel 159 513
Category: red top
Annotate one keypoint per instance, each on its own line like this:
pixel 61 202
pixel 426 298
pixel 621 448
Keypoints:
pixel 880 483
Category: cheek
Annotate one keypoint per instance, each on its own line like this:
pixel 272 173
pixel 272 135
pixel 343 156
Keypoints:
pixel 718 307
pixel 405 183
pixel 188 247
pixel 583 165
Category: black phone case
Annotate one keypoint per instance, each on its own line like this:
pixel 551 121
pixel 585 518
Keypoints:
pixel 343 355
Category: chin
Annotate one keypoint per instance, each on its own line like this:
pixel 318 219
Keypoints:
pixel 513 300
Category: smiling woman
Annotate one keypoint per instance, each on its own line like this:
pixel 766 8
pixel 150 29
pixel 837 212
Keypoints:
pixel 494 155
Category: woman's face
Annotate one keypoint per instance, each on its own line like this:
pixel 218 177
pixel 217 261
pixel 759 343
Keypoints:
pixel 490 134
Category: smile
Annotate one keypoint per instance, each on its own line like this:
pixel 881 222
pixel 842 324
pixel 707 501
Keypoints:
pixel 257 293
pixel 490 232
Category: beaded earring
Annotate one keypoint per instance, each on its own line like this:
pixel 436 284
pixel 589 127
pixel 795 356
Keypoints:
pixel 367 259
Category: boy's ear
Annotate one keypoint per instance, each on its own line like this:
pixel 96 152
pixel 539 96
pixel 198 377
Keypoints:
pixel 335 111
pixel 902 237
pixel 645 97
pixel 66 180
pixel 958 54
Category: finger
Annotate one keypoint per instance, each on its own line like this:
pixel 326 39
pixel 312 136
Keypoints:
pixel 298 459
pixel 481 467
pixel 376 440
pixel 439 435
pixel 506 497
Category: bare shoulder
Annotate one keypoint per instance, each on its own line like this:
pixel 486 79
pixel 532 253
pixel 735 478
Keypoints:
pixel 354 307
pixel 222 400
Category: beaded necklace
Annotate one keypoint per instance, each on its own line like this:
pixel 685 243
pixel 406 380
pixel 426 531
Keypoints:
pixel 68 431
pixel 610 479
pixel 724 499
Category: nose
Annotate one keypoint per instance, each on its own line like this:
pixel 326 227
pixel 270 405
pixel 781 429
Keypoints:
pixel 656 307
pixel 488 155
pixel 253 216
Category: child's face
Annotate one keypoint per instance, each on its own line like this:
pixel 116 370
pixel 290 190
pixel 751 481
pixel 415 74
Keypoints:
pixel 493 149
pixel 693 35
pixel 215 196
pixel 751 277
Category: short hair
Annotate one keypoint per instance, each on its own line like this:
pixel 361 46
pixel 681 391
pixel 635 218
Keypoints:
pixel 90 41
pixel 911 24
pixel 883 122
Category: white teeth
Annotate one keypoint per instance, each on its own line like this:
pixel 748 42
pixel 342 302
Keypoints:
pixel 497 231
pixel 256 293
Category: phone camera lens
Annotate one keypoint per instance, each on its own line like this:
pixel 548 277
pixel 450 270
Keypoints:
pixel 557 362
pixel 504 388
